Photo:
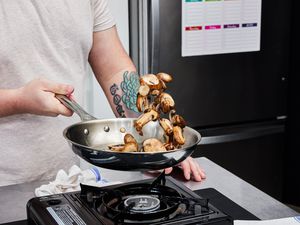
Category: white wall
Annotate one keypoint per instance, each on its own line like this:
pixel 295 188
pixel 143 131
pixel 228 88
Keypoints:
pixel 96 102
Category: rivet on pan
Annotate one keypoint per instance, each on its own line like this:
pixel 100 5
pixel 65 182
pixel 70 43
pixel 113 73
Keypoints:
pixel 86 131
pixel 106 128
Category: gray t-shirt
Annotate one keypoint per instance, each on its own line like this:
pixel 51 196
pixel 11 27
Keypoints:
pixel 50 39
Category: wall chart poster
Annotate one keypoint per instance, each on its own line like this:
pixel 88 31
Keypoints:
pixel 220 26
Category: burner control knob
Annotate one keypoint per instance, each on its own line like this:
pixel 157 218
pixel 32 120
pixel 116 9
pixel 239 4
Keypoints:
pixel 54 201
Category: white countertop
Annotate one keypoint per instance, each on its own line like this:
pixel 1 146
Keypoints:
pixel 13 198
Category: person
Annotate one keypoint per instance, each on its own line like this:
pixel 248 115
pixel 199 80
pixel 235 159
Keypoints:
pixel 46 48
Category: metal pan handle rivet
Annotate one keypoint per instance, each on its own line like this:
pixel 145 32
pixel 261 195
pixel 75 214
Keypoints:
pixel 106 128
pixel 86 131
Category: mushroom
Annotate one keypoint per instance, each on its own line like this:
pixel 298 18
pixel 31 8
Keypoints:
pixel 164 77
pixel 144 90
pixel 166 125
pixel 142 103
pixel 163 85
pixel 128 138
pixel 169 142
pixel 151 81
pixel 153 145
pixel 149 115
pixel 169 146
pixel 156 92
pixel 178 135
pixel 130 145
pixel 117 147
pixel 166 102
pixel 176 119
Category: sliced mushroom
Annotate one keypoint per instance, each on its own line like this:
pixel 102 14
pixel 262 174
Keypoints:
pixel 151 81
pixel 156 92
pixel 131 147
pixel 166 125
pixel 153 145
pixel 171 114
pixel 142 103
pixel 169 142
pixel 128 138
pixel 176 119
pixel 178 135
pixel 144 90
pixel 163 85
pixel 169 146
pixel 117 147
pixel 164 77
pixel 166 102
pixel 148 116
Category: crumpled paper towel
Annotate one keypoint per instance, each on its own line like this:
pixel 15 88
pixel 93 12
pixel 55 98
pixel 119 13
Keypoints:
pixel 67 182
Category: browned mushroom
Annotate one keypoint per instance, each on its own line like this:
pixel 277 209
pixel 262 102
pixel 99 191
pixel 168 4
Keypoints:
pixel 117 147
pixel 166 102
pixel 169 142
pixel 153 145
pixel 164 77
pixel 142 103
pixel 163 85
pixel 176 119
pixel 128 138
pixel 149 115
pixel 156 92
pixel 144 90
pixel 178 135
pixel 166 125
pixel 130 147
pixel 151 81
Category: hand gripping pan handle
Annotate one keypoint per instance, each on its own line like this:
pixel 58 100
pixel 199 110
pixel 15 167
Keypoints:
pixel 75 107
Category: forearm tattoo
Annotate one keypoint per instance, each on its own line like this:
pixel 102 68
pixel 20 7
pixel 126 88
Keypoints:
pixel 117 100
pixel 129 86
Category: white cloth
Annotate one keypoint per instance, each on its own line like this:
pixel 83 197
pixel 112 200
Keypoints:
pixel 50 39
pixel 68 182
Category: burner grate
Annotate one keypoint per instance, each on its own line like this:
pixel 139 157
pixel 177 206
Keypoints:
pixel 142 203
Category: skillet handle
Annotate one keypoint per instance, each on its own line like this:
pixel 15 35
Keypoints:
pixel 75 107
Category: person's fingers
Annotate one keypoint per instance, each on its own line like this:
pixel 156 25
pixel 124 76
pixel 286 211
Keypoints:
pixel 57 88
pixel 61 109
pixel 195 170
pixel 71 96
pixel 201 171
pixel 168 170
pixel 185 165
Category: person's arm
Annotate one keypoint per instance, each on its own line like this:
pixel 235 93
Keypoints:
pixel 115 72
pixel 36 97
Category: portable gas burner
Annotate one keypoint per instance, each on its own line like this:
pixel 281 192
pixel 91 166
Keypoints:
pixel 159 201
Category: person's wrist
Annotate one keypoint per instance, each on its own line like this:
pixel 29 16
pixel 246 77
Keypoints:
pixel 18 101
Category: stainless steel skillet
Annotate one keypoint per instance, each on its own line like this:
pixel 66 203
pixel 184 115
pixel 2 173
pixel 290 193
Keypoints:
pixel 89 140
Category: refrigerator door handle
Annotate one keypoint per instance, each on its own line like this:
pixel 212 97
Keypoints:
pixel 154 36
pixel 240 134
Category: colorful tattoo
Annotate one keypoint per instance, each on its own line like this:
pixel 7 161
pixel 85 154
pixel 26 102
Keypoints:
pixel 117 99
pixel 130 87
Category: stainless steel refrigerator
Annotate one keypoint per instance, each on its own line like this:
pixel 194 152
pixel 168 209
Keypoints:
pixel 237 101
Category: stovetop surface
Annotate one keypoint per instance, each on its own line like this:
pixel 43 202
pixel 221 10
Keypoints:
pixel 154 201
